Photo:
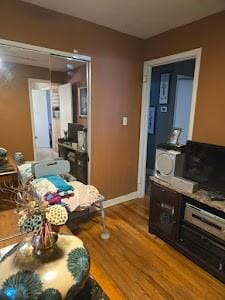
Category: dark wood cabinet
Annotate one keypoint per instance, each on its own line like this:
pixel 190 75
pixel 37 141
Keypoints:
pixel 165 210
pixel 9 178
pixel 78 161
pixel 167 221
pixel 203 249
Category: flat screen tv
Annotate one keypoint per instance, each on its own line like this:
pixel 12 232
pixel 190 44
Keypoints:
pixel 205 164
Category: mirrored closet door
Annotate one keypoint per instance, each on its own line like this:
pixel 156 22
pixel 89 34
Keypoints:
pixel 24 80
pixel 44 111
pixel 69 93
pixel 44 107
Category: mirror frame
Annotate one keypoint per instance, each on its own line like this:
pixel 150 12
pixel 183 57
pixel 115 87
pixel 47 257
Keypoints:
pixel 63 54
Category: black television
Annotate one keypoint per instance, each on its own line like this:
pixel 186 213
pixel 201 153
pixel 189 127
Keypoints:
pixel 205 164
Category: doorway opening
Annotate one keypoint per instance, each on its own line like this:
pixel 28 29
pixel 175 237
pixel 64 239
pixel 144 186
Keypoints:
pixel 168 101
pixel 60 114
pixel 172 111
pixel 44 97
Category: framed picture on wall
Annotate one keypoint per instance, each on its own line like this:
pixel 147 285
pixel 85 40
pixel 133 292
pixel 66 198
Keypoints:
pixel 82 101
pixel 164 88
pixel 174 136
pixel 151 120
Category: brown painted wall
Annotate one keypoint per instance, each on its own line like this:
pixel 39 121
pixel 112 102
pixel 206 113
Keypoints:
pixel 208 34
pixel 117 61
pixel 15 117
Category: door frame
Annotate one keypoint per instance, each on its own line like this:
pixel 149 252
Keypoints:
pixel 31 85
pixel 74 55
pixel 146 88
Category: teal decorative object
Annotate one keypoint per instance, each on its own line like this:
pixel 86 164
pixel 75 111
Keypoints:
pixel 49 274
pixel 23 285
pixel 3 153
pixel 78 263
pixel 32 224
pixel 18 156
pixel 50 294
pixel 45 259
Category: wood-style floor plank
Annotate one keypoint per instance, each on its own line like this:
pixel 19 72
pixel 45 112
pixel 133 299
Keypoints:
pixel 134 264
pixel 141 266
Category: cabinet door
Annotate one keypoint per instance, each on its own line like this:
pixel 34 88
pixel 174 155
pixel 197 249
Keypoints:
pixel 207 251
pixel 164 212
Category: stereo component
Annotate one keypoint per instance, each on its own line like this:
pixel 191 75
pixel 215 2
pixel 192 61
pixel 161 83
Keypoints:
pixel 185 184
pixel 168 163
pixel 205 220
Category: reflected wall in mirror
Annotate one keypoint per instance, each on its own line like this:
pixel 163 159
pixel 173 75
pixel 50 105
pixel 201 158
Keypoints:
pixel 43 113
pixel 17 66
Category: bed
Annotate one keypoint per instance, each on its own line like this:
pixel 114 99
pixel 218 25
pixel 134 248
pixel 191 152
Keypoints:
pixel 79 200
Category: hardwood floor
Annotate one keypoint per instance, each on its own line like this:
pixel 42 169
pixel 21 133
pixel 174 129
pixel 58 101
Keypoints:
pixel 134 264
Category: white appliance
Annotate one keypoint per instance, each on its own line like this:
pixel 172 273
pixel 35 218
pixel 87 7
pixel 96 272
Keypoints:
pixel 82 140
pixel 205 220
pixel 185 185
pixel 168 163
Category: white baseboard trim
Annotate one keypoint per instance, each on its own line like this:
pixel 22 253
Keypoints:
pixel 120 199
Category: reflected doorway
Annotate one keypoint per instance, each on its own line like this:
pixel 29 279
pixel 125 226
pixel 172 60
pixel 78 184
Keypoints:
pixel 59 114
pixel 43 102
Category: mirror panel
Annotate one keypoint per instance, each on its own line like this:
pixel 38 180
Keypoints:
pixel 70 113
pixel 17 67
pixel 69 126
pixel 43 115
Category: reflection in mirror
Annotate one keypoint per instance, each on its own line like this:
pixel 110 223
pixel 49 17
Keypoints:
pixel 43 115
pixel 18 67
pixel 70 114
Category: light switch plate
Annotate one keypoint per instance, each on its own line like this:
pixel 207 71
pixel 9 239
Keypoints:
pixel 163 109
pixel 124 121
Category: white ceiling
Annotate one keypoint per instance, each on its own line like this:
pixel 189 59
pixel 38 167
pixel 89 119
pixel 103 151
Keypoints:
pixel 33 58
pixel 141 18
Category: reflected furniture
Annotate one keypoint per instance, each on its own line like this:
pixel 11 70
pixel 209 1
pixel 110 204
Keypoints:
pixel 78 161
pixel 8 178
